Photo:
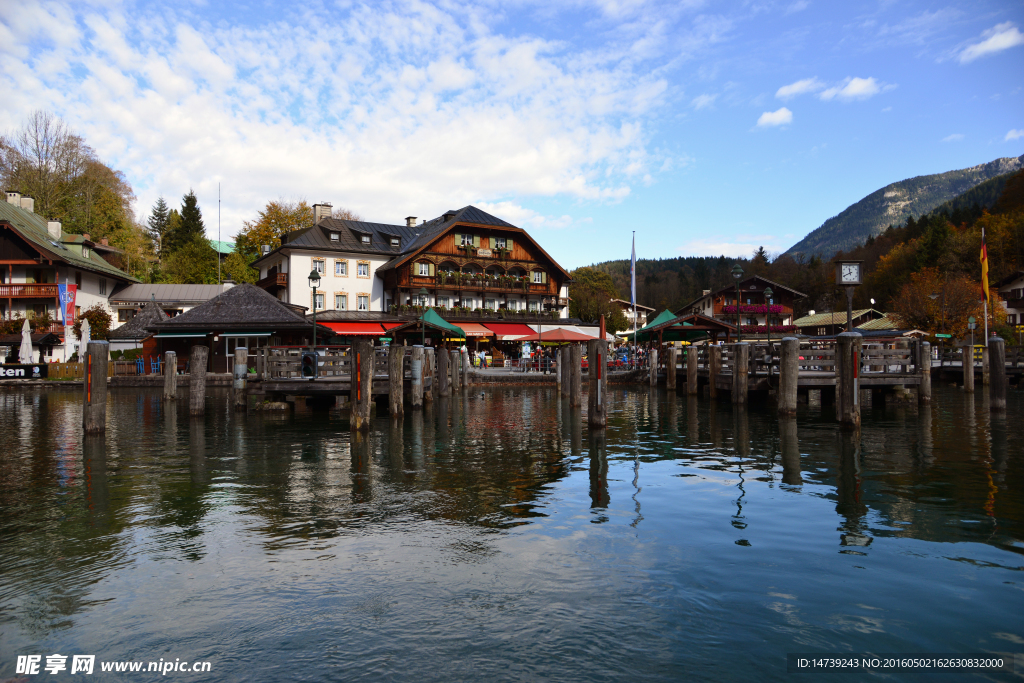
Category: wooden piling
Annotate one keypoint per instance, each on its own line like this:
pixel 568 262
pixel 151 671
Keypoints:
pixel 197 380
pixel 790 447
pixel 997 372
pixel 94 396
pixel 924 369
pixel 576 375
pixel 454 361
pixel 396 380
pixel 597 355
pixel 714 369
pixel 558 372
pixel 652 357
pixel 986 365
pixel 171 375
pixel 241 372
pixel 564 365
pixel 789 374
pixel 670 367
pixel 361 383
pixel 417 377
pixel 740 371
pixel 967 361
pixel 848 350
pixel 466 366
pixel 443 377
pixel 691 370
pixel 429 373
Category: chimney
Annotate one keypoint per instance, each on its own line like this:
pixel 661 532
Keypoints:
pixel 14 198
pixel 410 221
pixel 53 227
pixel 103 241
pixel 264 249
pixel 28 204
pixel 321 211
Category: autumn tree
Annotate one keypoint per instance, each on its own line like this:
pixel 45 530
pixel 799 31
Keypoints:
pixel 99 322
pixel 590 296
pixel 936 303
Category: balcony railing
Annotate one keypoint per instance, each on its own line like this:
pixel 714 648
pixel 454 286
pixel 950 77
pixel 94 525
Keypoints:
pixel 503 283
pixel 37 291
pixel 273 281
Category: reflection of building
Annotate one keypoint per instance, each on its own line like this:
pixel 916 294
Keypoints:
pixel 36 256
pixel 627 310
pixel 831 324
pixel 462 261
pixel 1011 291
pixel 173 299
pixel 753 307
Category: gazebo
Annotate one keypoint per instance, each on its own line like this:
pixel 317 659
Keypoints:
pixel 429 325
pixel 644 333
pixel 691 327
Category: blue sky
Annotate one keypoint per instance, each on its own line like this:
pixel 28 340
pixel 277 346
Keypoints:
pixel 706 127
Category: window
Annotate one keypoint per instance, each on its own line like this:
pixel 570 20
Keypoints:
pixel 319 265
pixel 424 268
pixel 500 242
pixel 334 237
pixel 491 304
pixel 365 239
pixel 319 301
pixel 443 301
pixel 538 276
pixel 467 303
pixel 513 305
pixel 395 241
pixel 1011 319
pixel 341 267
pixel 103 286
pixel 363 302
pixel 85 251
pixel 533 305
pixel 467 240
pixel 341 302
pixel 125 314
pixel 363 269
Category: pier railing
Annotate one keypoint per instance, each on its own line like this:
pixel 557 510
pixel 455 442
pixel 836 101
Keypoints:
pixel 284 362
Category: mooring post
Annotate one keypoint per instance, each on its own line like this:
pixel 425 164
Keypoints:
pixel 670 367
pixel 597 355
pixel 691 370
pixel 714 369
pixel 361 383
pixel 94 397
pixel 453 368
pixel 848 349
pixel 789 375
pixel 576 375
pixel 986 372
pixel 429 373
pixel 171 375
pixel 417 377
pixel 967 361
pixel 924 369
pixel 241 371
pixel 197 380
pixel 565 365
pixel 652 357
pixel 396 380
pixel 740 371
pixel 997 372
pixel 443 377
pixel 559 364
pixel 466 367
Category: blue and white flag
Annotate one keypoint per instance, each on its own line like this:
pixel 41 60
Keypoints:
pixel 632 274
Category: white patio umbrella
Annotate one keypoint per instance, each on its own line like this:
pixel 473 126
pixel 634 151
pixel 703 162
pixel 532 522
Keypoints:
pixel 25 354
pixel 83 343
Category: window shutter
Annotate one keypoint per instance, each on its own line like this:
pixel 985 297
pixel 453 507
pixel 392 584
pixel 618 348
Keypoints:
pixel 494 243
pixel 476 240
pixel 544 277
pixel 431 266
pixel 508 244
pixel 458 240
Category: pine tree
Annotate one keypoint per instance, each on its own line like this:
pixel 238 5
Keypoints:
pixel 190 228
pixel 158 222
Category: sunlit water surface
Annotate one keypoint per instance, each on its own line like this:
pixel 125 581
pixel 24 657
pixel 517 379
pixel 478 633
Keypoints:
pixel 496 537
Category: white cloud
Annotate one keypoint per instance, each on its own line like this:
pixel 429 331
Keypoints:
pixel 703 101
pixel 780 117
pixel 1014 134
pixel 955 137
pixel 743 245
pixel 799 88
pixel 850 89
pixel 373 111
pixel 996 39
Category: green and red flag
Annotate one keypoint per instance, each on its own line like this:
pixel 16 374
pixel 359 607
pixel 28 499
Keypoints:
pixel 984 268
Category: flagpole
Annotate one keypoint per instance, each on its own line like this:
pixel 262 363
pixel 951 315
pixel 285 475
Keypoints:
pixel 984 282
pixel 632 285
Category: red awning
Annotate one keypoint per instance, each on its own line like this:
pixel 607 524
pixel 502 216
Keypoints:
pixel 391 326
pixel 356 329
pixel 475 330
pixel 510 331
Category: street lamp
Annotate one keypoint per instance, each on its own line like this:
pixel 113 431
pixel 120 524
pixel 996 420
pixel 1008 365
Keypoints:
pixel 314 282
pixel 423 293
pixel 737 273
pixel 768 328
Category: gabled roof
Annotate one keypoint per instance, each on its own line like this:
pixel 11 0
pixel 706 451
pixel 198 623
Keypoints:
pixel 834 318
pixel 1015 275
pixel 135 328
pixel 883 323
pixel 746 283
pixel 166 294
pixel 243 307
pixel 33 229
pixel 628 304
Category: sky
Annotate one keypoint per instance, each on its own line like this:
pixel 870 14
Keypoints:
pixel 706 127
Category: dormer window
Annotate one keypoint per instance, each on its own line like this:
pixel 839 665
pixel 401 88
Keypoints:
pixel 395 241
pixel 85 251
pixel 334 237
pixel 365 239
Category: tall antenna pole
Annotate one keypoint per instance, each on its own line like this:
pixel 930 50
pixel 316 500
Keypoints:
pixel 218 233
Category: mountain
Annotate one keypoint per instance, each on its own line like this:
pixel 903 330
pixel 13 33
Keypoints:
pixel 892 204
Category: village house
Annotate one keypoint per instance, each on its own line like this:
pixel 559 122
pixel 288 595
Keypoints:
pixel 173 299
pixel 1011 292
pixel 627 310
pixel 754 310
pixel 831 324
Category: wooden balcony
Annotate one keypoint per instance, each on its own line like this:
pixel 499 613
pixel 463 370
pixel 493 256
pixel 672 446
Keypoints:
pixel 274 282
pixel 28 291
pixel 482 284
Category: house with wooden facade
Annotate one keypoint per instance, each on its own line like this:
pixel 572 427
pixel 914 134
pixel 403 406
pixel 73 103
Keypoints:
pixel 754 310
pixel 464 263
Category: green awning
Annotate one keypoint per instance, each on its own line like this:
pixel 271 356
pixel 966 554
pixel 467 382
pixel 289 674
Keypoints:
pixel 641 335
pixel 430 318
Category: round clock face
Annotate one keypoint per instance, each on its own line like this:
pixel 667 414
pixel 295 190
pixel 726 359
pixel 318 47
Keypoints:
pixel 850 272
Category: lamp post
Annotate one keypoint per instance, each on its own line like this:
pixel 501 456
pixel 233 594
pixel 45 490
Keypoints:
pixel 737 273
pixel 423 326
pixel 942 325
pixel 314 282
pixel 768 328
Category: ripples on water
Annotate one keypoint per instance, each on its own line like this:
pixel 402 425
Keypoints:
pixel 495 537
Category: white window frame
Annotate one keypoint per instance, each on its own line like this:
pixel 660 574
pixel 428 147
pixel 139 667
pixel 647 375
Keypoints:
pixel 344 267
pixel 363 302
pixel 335 237
pixel 320 265
pixel 365 239
pixel 360 266
pixel 467 240
pixel 343 304
pixel 538 277
pixel 500 242
pixel 424 269
pixel 443 302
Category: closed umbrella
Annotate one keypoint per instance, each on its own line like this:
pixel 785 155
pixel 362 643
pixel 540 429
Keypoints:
pixel 84 342
pixel 25 355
